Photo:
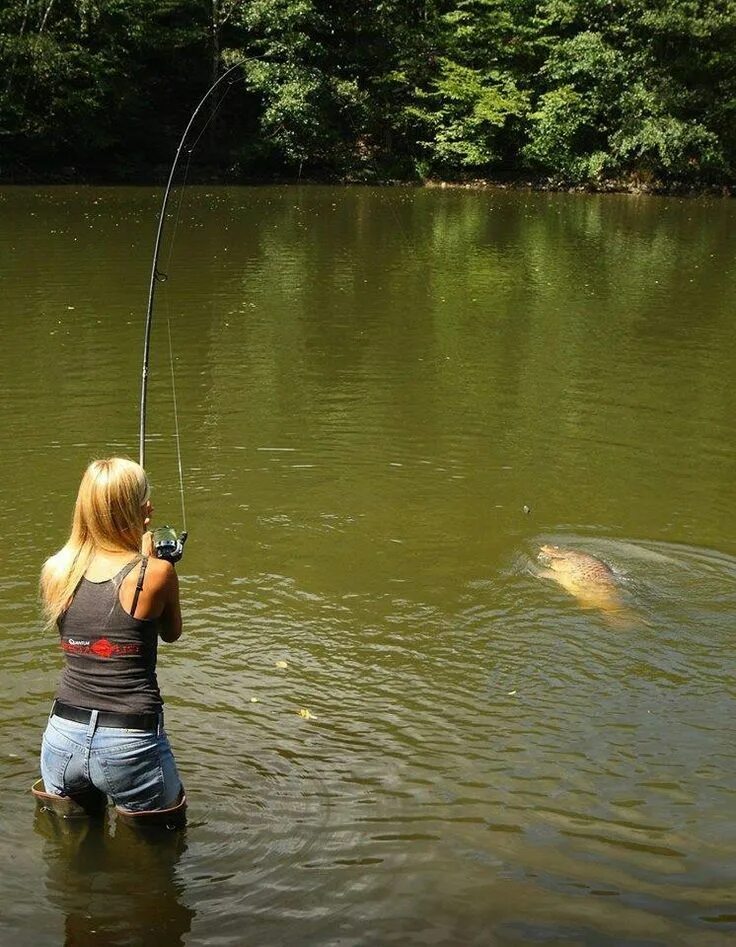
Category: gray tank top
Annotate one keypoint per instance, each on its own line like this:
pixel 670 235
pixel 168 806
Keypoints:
pixel 110 655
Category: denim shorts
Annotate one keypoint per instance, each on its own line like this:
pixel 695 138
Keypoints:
pixel 136 768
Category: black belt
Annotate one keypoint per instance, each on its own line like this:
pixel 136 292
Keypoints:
pixel 106 718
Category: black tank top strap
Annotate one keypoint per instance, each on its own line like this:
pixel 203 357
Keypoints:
pixel 139 585
pixel 126 570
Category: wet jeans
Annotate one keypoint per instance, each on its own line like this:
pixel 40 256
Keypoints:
pixel 136 768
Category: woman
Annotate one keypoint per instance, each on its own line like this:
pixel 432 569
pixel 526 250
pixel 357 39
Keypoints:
pixel 110 599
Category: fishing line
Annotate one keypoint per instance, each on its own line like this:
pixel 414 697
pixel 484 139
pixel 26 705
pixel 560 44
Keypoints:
pixel 167 543
pixel 157 276
pixel 176 428
pixel 185 177
pixel 162 278
pixel 213 114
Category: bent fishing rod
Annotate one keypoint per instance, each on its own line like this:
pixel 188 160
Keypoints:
pixel 167 542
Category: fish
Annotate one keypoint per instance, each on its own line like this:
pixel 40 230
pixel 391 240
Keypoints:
pixel 589 579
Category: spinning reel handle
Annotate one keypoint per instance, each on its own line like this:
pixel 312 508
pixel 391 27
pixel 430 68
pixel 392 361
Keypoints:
pixel 168 545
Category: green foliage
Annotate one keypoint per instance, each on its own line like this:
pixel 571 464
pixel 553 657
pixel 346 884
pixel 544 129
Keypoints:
pixel 573 90
pixel 561 129
pixel 628 87
pixel 568 129
pixel 466 113
pixel 306 105
pixel 650 137
pixel 70 91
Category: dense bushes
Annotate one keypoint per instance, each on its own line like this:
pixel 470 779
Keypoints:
pixel 578 91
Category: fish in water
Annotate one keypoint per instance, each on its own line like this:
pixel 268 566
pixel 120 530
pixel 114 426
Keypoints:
pixel 592 581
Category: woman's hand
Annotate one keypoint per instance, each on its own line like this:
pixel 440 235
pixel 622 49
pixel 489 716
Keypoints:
pixel 147 548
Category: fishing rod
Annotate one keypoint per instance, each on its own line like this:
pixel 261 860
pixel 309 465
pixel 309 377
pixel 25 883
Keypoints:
pixel 167 542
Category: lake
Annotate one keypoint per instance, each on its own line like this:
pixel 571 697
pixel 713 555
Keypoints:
pixel 392 728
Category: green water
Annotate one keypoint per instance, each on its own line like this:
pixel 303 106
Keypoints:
pixel 372 386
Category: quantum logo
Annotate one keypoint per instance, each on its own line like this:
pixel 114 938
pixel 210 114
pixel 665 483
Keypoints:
pixel 100 648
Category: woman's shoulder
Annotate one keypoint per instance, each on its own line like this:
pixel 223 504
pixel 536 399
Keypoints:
pixel 159 572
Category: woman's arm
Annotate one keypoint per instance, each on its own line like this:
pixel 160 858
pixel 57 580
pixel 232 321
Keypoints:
pixel 171 626
pixel 167 591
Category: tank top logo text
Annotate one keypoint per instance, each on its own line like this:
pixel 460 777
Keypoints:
pixel 100 647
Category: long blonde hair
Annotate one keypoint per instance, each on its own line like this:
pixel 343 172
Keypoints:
pixel 108 517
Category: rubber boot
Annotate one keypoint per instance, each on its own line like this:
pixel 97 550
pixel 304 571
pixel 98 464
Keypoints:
pixel 173 817
pixel 82 805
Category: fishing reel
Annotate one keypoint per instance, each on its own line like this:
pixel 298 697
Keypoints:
pixel 167 545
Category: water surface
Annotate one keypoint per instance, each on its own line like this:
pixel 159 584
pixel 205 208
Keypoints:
pixel 373 384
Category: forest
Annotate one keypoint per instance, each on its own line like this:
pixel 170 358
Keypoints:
pixel 589 93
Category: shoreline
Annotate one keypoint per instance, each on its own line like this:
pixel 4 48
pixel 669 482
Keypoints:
pixel 157 176
pixel 613 186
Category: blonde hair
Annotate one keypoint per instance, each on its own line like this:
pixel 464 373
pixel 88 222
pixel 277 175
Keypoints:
pixel 107 517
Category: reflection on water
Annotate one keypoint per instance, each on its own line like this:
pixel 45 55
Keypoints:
pixel 114 885
pixel 373 386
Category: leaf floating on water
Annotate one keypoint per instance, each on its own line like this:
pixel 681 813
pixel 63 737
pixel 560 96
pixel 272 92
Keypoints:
pixel 303 712
pixel 281 664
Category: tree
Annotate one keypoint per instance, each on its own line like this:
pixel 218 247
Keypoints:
pixel 82 75
pixel 472 105
pixel 631 88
